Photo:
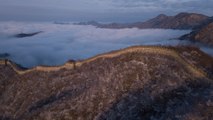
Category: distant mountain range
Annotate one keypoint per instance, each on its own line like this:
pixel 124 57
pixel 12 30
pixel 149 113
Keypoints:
pixel 179 21
pixel 201 25
pixel 135 83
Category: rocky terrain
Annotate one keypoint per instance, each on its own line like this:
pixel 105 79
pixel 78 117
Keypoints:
pixel 141 82
pixel 179 21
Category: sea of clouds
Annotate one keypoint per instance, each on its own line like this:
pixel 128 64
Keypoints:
pixel 59 43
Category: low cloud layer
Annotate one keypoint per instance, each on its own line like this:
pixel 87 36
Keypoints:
pixel 60 43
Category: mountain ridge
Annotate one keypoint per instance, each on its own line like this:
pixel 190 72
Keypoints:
pixel 131 85
pixel 202 33
pixel 180 21
pixel 73 64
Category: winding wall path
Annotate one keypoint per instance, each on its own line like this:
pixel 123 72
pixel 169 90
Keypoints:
pixel 142 49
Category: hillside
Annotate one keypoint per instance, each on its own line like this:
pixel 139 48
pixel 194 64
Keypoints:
pixel 179 21
pixel 203 34
pixel 139 82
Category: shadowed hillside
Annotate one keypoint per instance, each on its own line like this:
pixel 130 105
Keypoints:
pixel 203 34
pixel 139 82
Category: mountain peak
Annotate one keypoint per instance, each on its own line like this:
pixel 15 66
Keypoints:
pixel 186 14
pixel 182 20
pixel 183 14
pixel 162 16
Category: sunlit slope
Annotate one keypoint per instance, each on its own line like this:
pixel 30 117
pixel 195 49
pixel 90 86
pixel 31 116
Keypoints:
pixel 137 49
pixel 143 82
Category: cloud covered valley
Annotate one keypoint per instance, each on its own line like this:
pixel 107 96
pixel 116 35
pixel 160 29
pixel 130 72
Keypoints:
pixel 57 43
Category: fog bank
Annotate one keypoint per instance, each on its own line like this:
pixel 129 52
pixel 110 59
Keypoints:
pixel 60 43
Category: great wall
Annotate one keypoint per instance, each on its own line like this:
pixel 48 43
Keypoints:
pixel 142 49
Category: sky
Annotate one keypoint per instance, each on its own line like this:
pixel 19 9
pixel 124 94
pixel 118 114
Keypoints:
pixel 99 10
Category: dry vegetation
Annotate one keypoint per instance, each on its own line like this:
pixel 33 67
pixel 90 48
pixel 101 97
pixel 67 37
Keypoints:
pixel 129 85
